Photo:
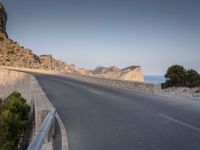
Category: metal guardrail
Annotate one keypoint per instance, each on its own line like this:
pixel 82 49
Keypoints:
pixel 42 133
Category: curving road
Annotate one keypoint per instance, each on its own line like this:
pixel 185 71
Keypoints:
pixel 105 118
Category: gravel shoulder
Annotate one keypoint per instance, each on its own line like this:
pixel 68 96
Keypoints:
pixel 182 92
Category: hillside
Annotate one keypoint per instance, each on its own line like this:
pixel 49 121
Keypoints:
pixel 15 55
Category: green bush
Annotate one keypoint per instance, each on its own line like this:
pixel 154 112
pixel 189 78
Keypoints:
pixel 178 76
pixel 1 38
pixel 8 145
pixel 14 120
pixel 192 78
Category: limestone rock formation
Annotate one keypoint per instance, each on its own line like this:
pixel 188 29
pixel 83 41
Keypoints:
pixel 133 73
pixel 12 54
pixel 83 71
pixel 3 19
pixel 49 63
pixel 107 72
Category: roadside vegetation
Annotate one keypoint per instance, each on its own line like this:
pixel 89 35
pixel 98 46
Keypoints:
pixel 178 76
pixel 13 121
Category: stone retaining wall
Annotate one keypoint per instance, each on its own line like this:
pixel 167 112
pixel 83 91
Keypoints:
pixel 15 81
pixel 148 88
pixel 28 86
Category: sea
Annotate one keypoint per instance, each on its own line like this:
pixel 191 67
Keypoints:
pixel 155 79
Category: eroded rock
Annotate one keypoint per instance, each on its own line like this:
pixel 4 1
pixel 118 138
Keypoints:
pixel 3 19
pixel 133 73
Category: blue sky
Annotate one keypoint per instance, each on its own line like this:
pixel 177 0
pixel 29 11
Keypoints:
pixel 152 33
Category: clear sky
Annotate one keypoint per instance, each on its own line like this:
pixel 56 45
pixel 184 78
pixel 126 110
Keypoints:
pixel 152 33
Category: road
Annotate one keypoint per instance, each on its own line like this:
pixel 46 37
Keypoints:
pixel 105 118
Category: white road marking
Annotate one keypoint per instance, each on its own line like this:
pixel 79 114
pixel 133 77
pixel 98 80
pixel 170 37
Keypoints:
pixel 64 137
pixel 86 88
pixel 95 91
pixel 179 122
pixel 82 86
pixel 70 83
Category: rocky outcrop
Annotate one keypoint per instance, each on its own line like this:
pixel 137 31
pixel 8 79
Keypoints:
pixel 133 73
pixel 83 71
pixel 106 72
pixel 49 63
pixel 3 19
pixel 12 54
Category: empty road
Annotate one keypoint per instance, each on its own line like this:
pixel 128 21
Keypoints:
pixel 104 118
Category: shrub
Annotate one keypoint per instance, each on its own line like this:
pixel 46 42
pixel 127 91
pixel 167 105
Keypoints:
pixel 14 120
pixel 9 145
pixel 1 38
pixel 178 76
pixel 192 78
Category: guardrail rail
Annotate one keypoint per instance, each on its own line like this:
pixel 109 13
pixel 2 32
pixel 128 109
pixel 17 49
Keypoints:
pixel 42 133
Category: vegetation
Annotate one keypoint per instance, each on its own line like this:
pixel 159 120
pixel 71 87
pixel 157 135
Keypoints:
pixel 178 76
pixel 1 38
pixel 13 121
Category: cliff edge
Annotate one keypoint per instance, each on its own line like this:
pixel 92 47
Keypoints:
pixel 15 55
pixel 133 73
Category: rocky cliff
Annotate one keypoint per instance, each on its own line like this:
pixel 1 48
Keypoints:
pixel 15 55
pixel 12 54
pixel 133 73
pixel 3 19
pixel 49 63
pixel 83 71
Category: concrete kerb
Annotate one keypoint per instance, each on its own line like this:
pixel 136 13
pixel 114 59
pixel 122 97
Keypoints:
pixel 43 106
pixel 145 88
pixel 29 87
pixel 63 130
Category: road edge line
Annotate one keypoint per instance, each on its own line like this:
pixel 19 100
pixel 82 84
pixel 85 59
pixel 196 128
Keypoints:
pixel 65 145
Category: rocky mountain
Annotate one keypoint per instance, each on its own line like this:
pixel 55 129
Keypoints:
pixel 12 54
pixel 133 73
pixel 15 55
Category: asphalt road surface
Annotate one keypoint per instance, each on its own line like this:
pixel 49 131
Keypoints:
pixel 105 118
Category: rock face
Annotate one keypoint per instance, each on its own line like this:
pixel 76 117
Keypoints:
pixel 83 71
pixel 133 73
pixel 3 19
pixel 106 72
pixel 12 54
pixel 49 63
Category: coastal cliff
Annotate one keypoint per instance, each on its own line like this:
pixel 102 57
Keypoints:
pixel 14 55
pixel 133 73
